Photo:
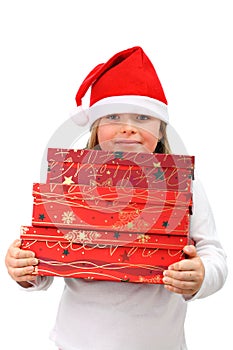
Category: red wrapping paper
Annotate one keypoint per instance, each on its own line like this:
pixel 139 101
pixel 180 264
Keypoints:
pixel 111 216
pixel 87 207
pixel 104 238
pixel 102 255
pixel 101 168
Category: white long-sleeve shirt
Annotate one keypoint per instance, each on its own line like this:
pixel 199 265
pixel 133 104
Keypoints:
pixel 99 315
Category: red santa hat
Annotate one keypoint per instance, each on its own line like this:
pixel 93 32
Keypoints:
pixel 126 83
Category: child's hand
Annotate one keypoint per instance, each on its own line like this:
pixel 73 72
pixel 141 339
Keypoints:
pixel 185 276
pixel 20 263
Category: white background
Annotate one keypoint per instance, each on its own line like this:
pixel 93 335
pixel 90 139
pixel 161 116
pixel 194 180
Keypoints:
pixel 47 48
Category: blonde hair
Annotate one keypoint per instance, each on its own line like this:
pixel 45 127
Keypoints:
pixel 162 146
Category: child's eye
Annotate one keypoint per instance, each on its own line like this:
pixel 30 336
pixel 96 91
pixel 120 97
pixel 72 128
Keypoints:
pixel 113 117
pixel 143 117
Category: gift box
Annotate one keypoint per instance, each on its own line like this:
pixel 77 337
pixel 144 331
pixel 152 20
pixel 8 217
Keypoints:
pixel 102 255
pixel 102 168
pixel 111 208
pixel 114 216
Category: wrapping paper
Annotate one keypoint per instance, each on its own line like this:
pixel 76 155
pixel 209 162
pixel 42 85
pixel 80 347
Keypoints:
pixel 113 216
pixel 102 255
pixel 110 208
pixel 123 169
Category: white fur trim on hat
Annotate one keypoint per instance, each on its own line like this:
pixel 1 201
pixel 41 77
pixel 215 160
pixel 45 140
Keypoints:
pixel 129 104
pixel 121 104
pixel 80 116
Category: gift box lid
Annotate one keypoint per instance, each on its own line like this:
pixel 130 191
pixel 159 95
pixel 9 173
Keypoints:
pixel 120 158
pixel 103 238
pixel 75 192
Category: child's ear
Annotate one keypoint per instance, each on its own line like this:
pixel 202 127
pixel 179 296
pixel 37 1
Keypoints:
pixel 160 135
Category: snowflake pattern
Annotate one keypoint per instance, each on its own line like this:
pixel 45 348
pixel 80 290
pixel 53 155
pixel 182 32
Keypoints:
pixel 81 236
pixel 68 217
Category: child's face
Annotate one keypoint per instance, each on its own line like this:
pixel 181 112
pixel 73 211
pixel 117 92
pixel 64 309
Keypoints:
pixel 128 133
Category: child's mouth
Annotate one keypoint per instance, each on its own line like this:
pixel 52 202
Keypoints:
pixel 127 142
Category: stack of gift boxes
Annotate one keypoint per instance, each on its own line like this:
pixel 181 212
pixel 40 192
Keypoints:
pixel 114 216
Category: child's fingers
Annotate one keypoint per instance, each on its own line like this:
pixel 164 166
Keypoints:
pixel 179 290
pixel 181 275
pixel 22 274
pixel 185 265
pixel 181 282
pixel 16 243
pixel 20 263
pixel 17 253
pixel 185 277
pixel 22 254
pixel 23 262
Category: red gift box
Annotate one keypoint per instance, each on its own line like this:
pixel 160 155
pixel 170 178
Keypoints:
pixel 102 255
pixel 111 215
pixel 111 208
pixel 102 168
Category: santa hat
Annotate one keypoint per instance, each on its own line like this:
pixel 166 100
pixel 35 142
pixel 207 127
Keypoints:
pixel 126 83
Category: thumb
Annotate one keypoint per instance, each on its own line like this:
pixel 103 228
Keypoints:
pixel 190 250
pixel 17 243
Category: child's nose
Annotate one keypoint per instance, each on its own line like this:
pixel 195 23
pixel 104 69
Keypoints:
pixel 128 128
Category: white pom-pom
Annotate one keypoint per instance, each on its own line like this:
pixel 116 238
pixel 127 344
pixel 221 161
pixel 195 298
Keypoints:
pixel 80 116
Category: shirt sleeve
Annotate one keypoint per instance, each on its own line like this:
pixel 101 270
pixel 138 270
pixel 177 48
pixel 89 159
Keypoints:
pixel 41 283
pixel 208 246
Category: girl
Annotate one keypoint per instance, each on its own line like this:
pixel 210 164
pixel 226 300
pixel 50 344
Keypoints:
pixel 128 112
